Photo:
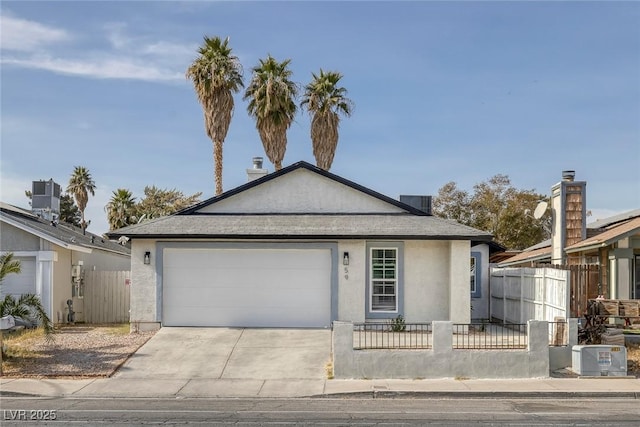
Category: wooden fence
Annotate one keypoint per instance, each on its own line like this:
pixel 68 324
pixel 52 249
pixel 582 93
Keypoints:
pixel 106 298
pixel 585 285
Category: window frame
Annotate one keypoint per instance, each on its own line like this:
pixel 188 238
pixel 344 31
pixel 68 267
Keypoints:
pixel 477 257
pixel 398 247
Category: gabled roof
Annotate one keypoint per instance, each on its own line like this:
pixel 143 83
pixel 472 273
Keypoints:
pixel 529 255
pixel 60 234
pixel 389 219
pixel 195 209
pixel 609 230
pixel 613 233
pixel 606 222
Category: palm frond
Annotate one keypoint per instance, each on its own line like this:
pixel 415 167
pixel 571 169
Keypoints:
pixel 8 265
pixel 216 74
pixel 325 100
pixel 272 94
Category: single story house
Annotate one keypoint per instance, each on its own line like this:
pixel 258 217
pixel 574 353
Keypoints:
pixel 54 257
pixel 300 247
pixel 612 243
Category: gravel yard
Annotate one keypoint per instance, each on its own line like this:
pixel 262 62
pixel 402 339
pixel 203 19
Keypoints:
pixel 76 351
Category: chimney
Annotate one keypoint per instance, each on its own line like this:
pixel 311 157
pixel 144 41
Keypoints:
pixel 45 199
pixel 422 203
pixel 257 171
pixel 569 208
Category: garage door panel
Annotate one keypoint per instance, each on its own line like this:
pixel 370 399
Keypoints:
pixel 247 287
pixel 24 282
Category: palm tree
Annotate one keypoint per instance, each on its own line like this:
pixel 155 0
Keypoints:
pixel 80 185
pixel 271 96
pixel 216 75
pixel 324 100
pixel 27 307
pixel 121 209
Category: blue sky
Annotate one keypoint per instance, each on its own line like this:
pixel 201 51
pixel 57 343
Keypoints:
pixel 443 91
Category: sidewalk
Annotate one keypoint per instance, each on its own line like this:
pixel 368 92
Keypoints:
pixel 620 387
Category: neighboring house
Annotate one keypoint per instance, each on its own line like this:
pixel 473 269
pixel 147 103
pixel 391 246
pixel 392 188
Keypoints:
pixel 300 247
pixel 53 258
pixel 616 248
pixel 481 262
pixel 612 243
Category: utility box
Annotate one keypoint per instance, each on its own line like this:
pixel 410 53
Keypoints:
pixel 599 360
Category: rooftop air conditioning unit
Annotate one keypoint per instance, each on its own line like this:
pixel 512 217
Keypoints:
pixel 599 360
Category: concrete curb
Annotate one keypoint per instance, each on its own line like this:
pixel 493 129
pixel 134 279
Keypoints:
pixel 483 395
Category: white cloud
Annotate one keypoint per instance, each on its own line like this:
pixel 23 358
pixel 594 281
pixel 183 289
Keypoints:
pixel 107 68
pixel 28 36
pixel 132 57
pixel 160 50
pixel 171 49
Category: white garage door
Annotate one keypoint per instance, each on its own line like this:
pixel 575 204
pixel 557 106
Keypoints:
pixel 247 287
pixel 23 283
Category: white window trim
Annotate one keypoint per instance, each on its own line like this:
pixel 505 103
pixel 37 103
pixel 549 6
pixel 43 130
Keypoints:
pixel 395 279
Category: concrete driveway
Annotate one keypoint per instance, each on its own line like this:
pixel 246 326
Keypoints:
pixel 231 353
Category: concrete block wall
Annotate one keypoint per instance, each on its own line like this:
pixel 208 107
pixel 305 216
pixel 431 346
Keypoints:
pixel 560 357
pixel 441 361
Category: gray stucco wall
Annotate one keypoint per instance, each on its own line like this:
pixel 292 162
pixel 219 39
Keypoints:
pixel 13 239
pixel 441 361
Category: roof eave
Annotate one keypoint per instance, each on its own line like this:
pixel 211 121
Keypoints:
pixel 45 236
pixel 520 261
pixel 309 236
pixel 602 244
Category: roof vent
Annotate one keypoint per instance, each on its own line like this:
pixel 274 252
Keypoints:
pixel 257 162
pixel 568 175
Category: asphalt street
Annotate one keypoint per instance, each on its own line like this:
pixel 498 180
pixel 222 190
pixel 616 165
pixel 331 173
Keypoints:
pixel 21 411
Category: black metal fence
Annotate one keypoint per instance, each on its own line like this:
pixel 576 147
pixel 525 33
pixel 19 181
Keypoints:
pixel 489 336
pixel 370 336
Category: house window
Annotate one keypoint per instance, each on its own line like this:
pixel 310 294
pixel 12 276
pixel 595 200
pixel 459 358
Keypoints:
pixel 474 275
pixel 384 280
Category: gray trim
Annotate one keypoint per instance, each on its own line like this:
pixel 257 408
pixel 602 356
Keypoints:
pixel 399 246
pixel 478 258
pixel 162 245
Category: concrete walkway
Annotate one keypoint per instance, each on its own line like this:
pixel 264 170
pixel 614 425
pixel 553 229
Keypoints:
pixel 121 387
